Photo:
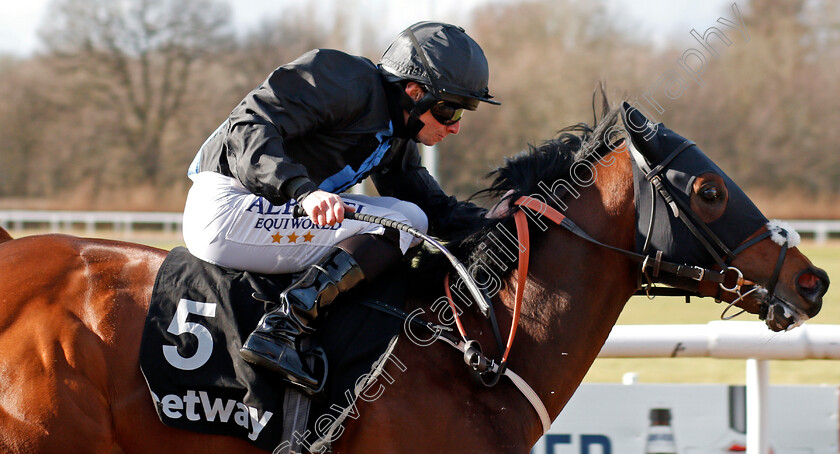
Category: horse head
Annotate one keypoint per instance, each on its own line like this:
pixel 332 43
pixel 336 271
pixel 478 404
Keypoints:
pixel 690 212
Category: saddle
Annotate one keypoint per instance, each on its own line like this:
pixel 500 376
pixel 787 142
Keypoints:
pixel 200 314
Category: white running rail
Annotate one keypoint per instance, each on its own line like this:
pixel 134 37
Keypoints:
pixel 752 341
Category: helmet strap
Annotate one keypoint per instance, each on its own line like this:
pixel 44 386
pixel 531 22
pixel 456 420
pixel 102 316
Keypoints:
pixel 415 109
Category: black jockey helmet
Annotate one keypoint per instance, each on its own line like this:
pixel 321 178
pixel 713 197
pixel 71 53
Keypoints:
pixel 450 64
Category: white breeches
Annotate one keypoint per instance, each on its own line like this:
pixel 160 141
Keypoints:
pixel 226 225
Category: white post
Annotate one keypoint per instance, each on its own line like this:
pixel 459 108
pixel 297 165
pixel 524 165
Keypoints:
pixel 758 380
pixel 128 225
pixel 90 225
pixel 821 235
pixel 429 159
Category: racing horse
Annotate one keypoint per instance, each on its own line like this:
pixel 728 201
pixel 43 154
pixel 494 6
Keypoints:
pixel 73 309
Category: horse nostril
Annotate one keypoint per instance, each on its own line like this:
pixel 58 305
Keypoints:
pixel 812 284
pixel 808 282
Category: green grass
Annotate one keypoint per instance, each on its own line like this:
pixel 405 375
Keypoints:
pixel 663 311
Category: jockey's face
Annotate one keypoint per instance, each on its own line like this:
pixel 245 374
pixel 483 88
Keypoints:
pixel 433 131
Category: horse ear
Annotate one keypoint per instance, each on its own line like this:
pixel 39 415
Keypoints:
pixel 638 127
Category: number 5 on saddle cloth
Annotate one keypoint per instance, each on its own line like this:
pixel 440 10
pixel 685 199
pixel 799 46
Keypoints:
pixel 198 318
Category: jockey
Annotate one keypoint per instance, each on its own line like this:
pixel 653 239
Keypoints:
pixel 311 130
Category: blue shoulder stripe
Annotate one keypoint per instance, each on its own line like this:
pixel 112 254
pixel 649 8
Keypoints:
pixel 347 176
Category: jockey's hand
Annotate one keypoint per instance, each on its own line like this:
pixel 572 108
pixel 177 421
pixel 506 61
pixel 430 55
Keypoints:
pixel 325 208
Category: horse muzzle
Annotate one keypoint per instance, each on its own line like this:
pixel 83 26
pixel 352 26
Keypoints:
pixel 782 315
pixel 779 315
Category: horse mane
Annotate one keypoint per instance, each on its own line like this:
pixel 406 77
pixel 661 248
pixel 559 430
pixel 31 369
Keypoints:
pixel 477 239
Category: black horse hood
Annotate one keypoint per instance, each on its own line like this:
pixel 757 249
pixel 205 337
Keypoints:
pixel 653 145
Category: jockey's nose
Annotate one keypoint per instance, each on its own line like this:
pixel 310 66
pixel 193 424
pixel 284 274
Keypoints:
pixel 454 128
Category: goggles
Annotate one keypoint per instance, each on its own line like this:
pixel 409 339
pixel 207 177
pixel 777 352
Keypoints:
pixel 445 113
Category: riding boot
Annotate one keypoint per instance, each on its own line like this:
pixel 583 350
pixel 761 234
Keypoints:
pixel 274 344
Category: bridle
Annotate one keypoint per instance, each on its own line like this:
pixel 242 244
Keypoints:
pixel 728 278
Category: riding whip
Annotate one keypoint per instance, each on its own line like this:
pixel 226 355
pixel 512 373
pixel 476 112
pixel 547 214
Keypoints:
pixel 478 296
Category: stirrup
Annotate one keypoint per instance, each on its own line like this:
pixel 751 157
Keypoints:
pixel 317 354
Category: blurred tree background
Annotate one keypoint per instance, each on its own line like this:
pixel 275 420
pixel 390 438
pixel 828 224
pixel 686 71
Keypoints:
pixel 112 112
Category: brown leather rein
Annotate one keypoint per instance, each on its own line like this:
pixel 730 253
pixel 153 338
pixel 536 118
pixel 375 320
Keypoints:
pixel 521 273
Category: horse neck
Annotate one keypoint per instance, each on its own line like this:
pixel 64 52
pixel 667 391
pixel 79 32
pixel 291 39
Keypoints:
pixel 576 290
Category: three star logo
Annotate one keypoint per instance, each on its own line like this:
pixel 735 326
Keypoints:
pixel 307 237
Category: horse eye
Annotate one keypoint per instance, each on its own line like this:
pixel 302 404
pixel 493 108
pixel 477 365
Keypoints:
pixel 709 193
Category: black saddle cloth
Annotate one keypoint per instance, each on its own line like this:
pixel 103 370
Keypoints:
pixel 198 318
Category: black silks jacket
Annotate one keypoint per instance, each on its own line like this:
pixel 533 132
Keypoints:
pixel 326 121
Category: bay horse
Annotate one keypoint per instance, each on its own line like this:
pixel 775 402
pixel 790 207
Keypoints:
pixel 73 311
